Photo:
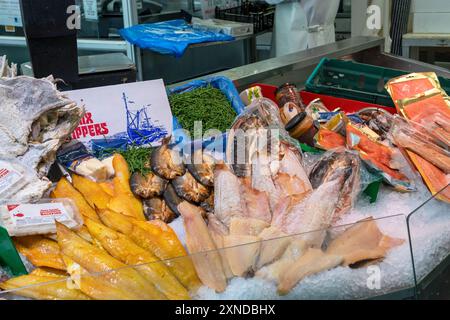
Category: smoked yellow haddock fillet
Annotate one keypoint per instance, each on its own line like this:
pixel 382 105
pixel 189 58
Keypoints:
pixel 125 250
pixel 124 201
pixel 65 190
pixel 40 251
pixel 43 288
pixel 96 286
pixel 95 260
pixel 91 191
pixel 158 238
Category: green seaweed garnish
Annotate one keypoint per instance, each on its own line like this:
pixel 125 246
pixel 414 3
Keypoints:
pixel 206 104
pixel 138 159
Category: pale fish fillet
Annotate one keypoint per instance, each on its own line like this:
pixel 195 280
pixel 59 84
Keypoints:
pixel 95 260
pixel 314 216
pixel 274 243
pixel 290 185
pixel 217 231
pixel 242 252
pixel 291 165
pixel 295 249
pixel 262 178
pixel 96 286
pixel 206 259
pixel 247 226
pixel 257 202
pixel 228 202
pixel 42 288
pixel 312 262
pixel 362 242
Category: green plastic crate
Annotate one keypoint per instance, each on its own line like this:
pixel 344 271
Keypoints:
pixel 9 258
pixel 356 81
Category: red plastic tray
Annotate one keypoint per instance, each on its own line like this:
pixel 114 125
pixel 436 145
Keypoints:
pixel 346 105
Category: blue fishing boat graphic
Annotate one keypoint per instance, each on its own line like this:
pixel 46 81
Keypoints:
pixel 140 127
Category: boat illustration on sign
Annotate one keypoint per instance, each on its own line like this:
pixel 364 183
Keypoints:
pixel 140 127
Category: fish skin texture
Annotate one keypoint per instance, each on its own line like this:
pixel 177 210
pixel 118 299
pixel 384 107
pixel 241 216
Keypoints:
pixel 206 259
pixel 149 266
pixel 65 190
pixel 40 251
pixel 257 202
pixel 158 238
pixel 228 202
pixel 95 260
pixel 42 288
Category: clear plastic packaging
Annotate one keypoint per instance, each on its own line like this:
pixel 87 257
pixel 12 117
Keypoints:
pixel 24 219
pixel 13 177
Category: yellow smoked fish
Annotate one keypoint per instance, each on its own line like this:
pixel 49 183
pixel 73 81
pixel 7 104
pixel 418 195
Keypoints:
pixel 125 250
pixel 42 288
pixel 95 260
pixel 158 238
pixel 65 190
pixel 40 251
pixel 91 191
pixel 124 201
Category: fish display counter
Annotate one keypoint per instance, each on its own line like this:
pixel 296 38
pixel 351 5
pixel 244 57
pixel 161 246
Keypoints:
pixel 298 195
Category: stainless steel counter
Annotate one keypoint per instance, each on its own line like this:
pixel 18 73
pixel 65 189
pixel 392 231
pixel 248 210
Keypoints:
pixel 298 66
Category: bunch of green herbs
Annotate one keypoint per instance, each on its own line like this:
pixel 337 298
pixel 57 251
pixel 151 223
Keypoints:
pixel 206 104
pixel 138 159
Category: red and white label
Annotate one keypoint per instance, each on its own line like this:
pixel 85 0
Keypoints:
pixel 8 176
pixel 37 214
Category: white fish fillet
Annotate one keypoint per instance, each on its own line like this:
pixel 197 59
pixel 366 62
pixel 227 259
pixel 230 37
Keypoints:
pixel 247 226
pixel 257 202
pixel 206 259
pixel 295 250
pixel 312 262
pixel 274 243
pixel 228 201
pixel 242 252
pixel 218 230
pixel 262 178
pixel 291 165
pixel 314 215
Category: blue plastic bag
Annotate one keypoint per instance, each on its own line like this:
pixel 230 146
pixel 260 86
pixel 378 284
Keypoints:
pixel 228 89
pixel 169 37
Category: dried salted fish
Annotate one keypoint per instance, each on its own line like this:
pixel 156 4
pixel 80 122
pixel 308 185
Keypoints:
pixel 36 121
